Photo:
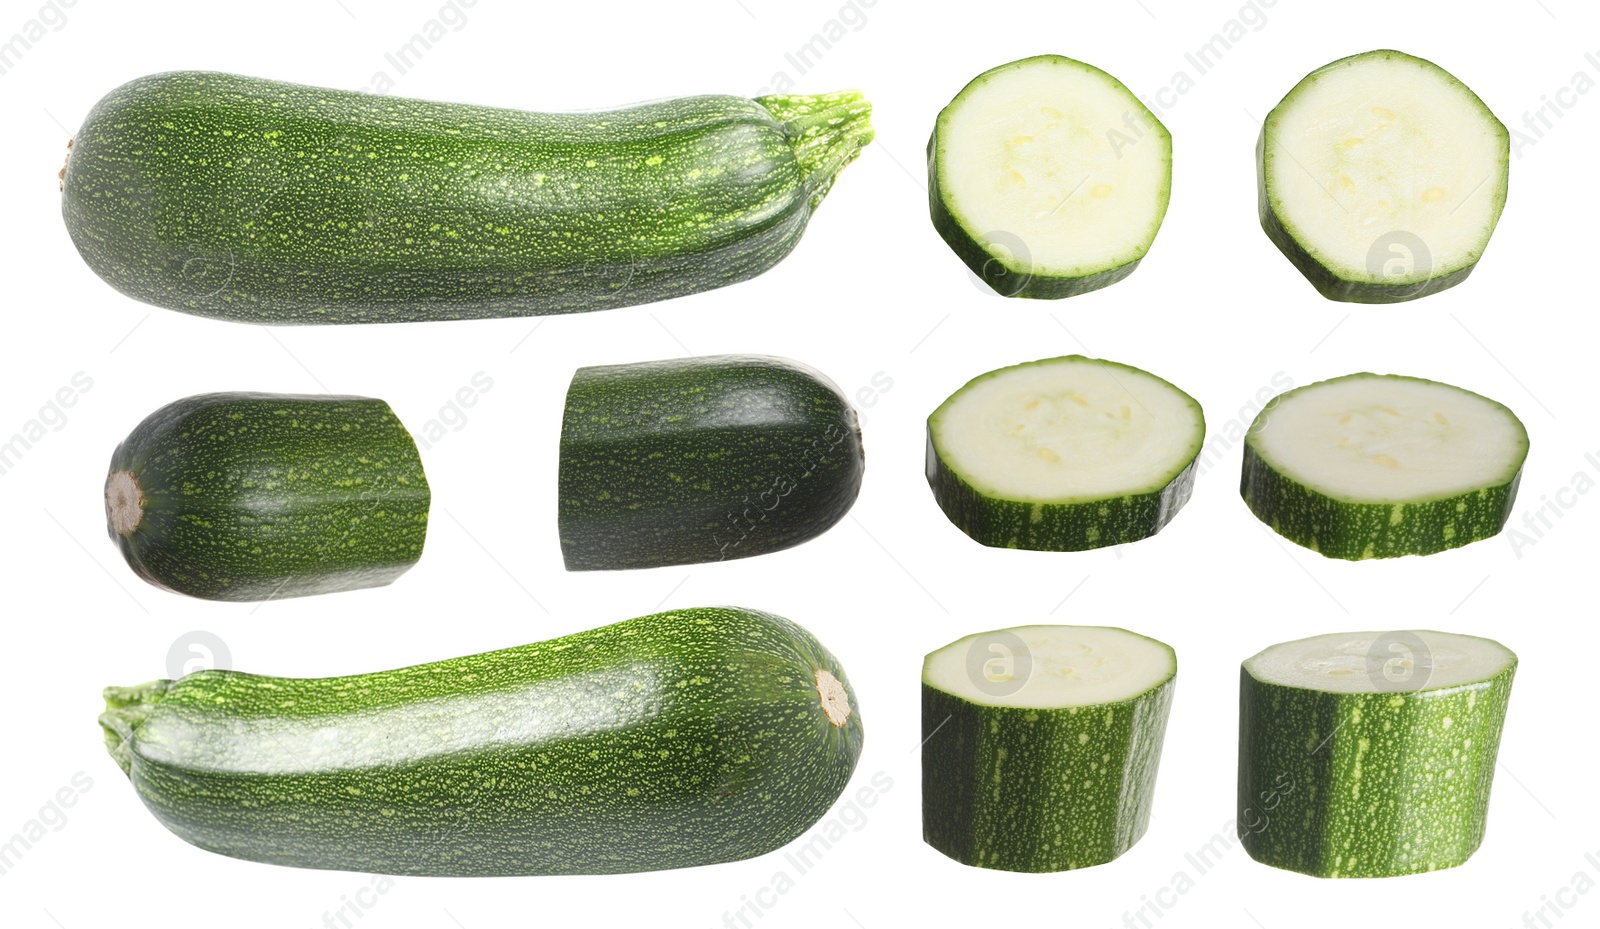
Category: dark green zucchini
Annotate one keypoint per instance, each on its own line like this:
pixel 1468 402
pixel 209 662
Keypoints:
pixel 668 741
pixel 260 201
pixel 249 496
pixel 702 459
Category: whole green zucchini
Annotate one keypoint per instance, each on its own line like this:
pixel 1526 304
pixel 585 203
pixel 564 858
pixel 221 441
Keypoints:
pixel 250 496
pixel 672 740
pixel 702 459
pixel 261 201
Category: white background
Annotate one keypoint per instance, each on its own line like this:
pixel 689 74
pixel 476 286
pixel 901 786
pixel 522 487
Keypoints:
pixel 871 291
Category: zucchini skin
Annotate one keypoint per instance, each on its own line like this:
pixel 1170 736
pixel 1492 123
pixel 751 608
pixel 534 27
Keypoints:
pixel 1367 785
pixel 260 201
pixel 1032 790
pixel 667 741
pixel 1356 531
pixel 1327 282
pixel 702 459
pixel 252 496
pixel 1058 526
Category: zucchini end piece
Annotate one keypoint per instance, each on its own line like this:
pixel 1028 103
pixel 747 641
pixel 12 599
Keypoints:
pixel 126 709
pixel 826 131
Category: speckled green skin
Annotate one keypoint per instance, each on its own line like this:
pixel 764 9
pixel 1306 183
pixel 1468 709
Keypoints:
pixel 1002 272
pixel 667 741
pixel 1367 785
pixel 1039 790
pixel 1057 525
pixel 1355 531
pixel 260 201
pixel 1334 283
pixel 251 496
pixel 702 459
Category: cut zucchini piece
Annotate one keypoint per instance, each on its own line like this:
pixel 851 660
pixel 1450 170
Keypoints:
pixel 1381 465
pixel 1370 754
pixel 1048 177
pixel 708 458
pixel 1381 177
pixel 1041 744
pixel 1064 454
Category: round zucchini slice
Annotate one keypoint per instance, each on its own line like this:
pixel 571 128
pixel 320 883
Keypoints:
pixel 1048 177
pixel 1382 177
pixel 1064 454
pixel 1382 465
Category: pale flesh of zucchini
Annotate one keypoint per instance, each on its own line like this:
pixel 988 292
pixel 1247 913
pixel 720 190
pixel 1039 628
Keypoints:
pixel 1060 667
pixel 1389 439
pixel 1381 662
pixel 1069 429
pixel 1386 170
pixel 1054 168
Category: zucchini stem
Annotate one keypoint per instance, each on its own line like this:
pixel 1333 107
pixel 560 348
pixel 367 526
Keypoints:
pixel 61 178
pixel 124 502
pixel 827 132
pixel 126 709
pixel 835 699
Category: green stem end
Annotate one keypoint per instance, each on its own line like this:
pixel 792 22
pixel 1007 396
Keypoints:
pixel 827 132
pixel 126 709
